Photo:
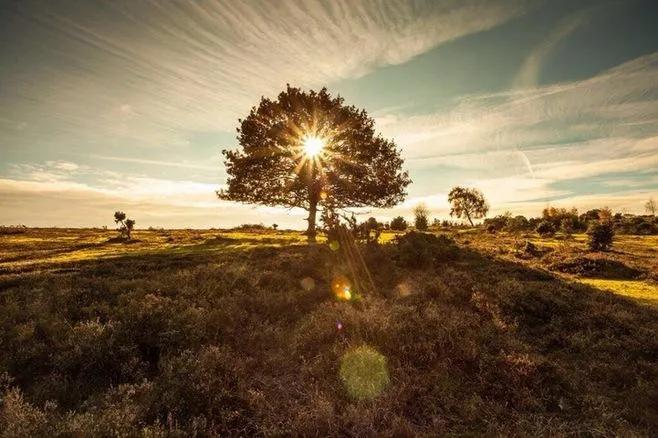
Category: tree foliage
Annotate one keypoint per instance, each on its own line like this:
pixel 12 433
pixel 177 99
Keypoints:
pixel 398 224
pixel 125 225
pixel 356 167
pixel 467 203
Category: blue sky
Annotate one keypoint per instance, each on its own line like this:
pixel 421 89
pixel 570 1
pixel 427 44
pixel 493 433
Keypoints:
pixel 127 105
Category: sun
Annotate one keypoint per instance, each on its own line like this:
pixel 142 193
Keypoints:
pixel 313 146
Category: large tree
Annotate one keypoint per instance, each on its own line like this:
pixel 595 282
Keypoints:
pixel 309 150
pixel 467 203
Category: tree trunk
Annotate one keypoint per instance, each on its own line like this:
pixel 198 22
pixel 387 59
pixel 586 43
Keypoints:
pixel 312 213
pixel 468 216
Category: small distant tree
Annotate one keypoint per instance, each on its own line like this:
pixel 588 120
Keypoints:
pixel 398 224
pixel 600 235
pixel 650 207
pixel 125 225
pixel 275 226
pixel 467 203
pixel 421 217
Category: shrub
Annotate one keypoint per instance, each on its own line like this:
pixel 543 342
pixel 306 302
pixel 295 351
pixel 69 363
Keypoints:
pixel 422 250
pixel 545 229
pixel 398 224
pixel 600 236
pixel 421 217
pixel 125 225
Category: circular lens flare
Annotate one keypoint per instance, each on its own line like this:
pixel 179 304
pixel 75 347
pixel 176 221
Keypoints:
pixel 313 145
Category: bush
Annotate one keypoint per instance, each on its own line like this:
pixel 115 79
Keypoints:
pixel 398 224
pixel 545 229
pixel 421 217
pixel 600 236
pixel 423 250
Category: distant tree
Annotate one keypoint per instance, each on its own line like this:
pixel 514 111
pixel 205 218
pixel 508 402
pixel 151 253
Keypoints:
pixel 545 229
pixel 125 225
pixel 398 224
pixel 467 203
pixel 309 150
pixel 600 236
pixel 605 215
pixel 421 217
pixel 650 207
pixel 275 226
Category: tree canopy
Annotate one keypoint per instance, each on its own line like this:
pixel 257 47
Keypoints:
pixel 309 150
pixel 467 203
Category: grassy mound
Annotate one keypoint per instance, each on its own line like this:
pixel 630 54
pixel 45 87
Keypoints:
pixel 596 268
pixel 238 340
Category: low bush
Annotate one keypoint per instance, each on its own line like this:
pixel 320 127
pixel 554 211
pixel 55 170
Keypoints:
pixel 600 236
pixel 421 250
pixel 545 229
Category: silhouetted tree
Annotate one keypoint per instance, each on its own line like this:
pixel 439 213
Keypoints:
pixel 650 207
pixel 126 225
pixel 467 203
pixel 348 164
pixel 421 217
pixel 398 224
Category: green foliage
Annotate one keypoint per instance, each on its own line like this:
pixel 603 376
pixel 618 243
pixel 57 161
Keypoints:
pixel 600 236
pixel 421 250
pixel 545 229
pixel 398 224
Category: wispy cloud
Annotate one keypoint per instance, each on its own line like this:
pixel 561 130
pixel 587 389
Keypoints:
pixel 143 74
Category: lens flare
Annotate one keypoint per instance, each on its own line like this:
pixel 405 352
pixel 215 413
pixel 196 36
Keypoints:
pixel 364 372
pixel 342 288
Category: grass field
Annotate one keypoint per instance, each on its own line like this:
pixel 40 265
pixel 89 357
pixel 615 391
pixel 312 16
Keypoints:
pixel 186 332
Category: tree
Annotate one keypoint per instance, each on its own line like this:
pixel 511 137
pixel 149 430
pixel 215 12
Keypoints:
pixel 309 150
pixel 650 207
pixel 127 225
pixel 467 203
pixel 421 214
pixel 398 224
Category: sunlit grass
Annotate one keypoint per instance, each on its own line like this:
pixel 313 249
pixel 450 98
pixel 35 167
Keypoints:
pixel 638 290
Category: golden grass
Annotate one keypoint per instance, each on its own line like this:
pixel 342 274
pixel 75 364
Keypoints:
pixel 640 291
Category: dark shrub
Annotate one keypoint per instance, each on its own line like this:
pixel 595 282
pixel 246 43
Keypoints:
pixel 422 250
pixel 600 236
pixel 398 224
pixel 596 268
pixel 545 229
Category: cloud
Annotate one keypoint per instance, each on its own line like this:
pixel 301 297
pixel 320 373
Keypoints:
pixel 147 73
pixel 528 75
pixel 602 125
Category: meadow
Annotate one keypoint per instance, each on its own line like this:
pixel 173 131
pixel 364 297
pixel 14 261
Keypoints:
pixel 255 332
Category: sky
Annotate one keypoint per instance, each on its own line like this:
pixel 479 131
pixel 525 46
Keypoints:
pixel 126 105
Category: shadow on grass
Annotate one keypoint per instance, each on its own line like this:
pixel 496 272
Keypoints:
pixel 481 345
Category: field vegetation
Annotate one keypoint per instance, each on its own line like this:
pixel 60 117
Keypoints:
pixel 253 331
